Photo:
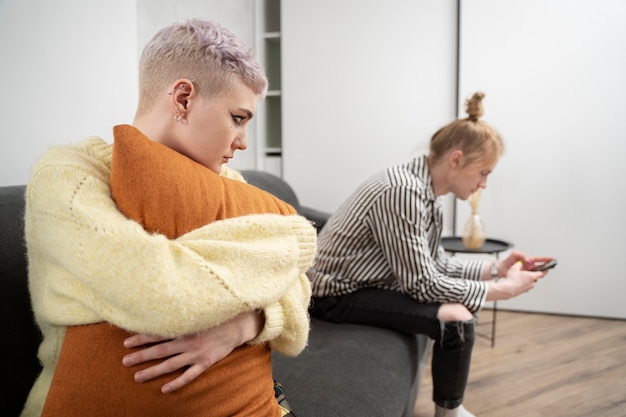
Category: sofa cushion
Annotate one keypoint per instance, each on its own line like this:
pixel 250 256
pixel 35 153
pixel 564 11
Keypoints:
pixel 351 370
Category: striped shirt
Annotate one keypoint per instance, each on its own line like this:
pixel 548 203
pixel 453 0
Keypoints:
pixel 387 235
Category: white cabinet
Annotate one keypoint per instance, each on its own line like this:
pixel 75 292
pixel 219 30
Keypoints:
pixel 269 120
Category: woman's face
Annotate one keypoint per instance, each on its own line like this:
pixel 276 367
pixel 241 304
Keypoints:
pixel 216 128
pixel 469 178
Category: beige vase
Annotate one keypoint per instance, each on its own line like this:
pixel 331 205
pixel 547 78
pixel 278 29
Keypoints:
pixel 474 230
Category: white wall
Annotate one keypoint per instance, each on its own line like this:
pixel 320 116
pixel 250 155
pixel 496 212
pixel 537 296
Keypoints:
pixel 366 89
pixel 553 72
pixel 365 85
pixel 362 90
pixel 68 70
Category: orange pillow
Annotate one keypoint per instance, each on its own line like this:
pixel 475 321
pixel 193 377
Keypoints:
pixel 171 194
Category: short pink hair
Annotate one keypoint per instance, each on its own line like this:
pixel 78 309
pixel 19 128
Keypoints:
pixel 204 52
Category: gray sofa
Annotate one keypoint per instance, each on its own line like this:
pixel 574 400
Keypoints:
pixel 346 370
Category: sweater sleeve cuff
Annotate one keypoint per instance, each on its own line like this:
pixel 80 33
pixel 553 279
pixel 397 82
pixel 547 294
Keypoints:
pixel 274 324
pixel 307 238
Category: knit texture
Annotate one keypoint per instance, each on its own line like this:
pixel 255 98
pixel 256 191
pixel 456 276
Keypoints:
pixel 81 250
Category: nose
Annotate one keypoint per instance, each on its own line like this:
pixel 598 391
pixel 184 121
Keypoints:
pixel 241 142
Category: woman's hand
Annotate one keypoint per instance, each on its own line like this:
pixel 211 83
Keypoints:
pixel 527 262
pixel 515 256
pixel 518 281
pixel 197 351
pixel 537 260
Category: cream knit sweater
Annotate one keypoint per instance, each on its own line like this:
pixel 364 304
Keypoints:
pixel 88 263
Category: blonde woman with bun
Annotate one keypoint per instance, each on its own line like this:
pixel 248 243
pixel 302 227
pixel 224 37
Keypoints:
pixel 379 260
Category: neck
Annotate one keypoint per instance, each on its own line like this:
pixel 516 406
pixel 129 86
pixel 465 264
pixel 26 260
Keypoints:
pixel 438 176
pixel 157 127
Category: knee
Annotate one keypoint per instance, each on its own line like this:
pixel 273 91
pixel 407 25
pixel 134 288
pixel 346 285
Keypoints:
pixel 454 312
pixel 457 326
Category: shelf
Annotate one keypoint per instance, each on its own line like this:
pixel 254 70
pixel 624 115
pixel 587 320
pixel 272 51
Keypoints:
pixel 271 12
pixel 272 36
pixel 273 133
pixel 270 113
pixel 271 59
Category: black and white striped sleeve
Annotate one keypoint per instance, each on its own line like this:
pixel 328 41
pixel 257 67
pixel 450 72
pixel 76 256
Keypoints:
pixel 406 231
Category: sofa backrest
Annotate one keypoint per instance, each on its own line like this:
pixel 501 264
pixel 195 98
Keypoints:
pixel 281 189
pixel 21 337
pixel 272 184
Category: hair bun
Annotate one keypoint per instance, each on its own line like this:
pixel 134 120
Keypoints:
pixel 474 106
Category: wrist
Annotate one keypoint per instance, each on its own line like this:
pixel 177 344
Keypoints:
pixel 499 290
pixel 253 324
pixel 493 271
pixel 259 323
pixel 494 292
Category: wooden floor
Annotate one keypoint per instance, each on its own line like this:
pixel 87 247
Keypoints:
pixel 543 366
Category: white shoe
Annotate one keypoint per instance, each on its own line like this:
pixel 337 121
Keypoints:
pixel 460 411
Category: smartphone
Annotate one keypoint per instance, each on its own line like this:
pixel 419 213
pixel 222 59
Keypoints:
pixel 545 265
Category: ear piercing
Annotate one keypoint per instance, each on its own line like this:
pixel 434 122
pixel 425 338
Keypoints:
pixel 179 117
pixel 180 87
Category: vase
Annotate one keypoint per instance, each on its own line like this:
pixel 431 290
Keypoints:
pixel 474 232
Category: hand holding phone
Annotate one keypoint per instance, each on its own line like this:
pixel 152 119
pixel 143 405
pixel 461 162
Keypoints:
pixel 543 266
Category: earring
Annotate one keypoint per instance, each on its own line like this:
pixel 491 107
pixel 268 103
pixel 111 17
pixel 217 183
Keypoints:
pixel 178 117
pixel 180 87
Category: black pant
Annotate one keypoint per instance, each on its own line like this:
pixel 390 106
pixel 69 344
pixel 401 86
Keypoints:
pixel 452 349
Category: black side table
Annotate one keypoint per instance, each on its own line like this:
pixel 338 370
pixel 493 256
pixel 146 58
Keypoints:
pixel 454 245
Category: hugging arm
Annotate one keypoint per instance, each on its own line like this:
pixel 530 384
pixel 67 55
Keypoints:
pixel 201 350
pixel 187 285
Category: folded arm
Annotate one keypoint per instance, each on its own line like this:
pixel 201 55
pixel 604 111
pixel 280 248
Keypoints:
pixel 107 268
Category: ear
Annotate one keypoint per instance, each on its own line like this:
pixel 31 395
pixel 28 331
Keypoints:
pixel 455 159
pixel 181 92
